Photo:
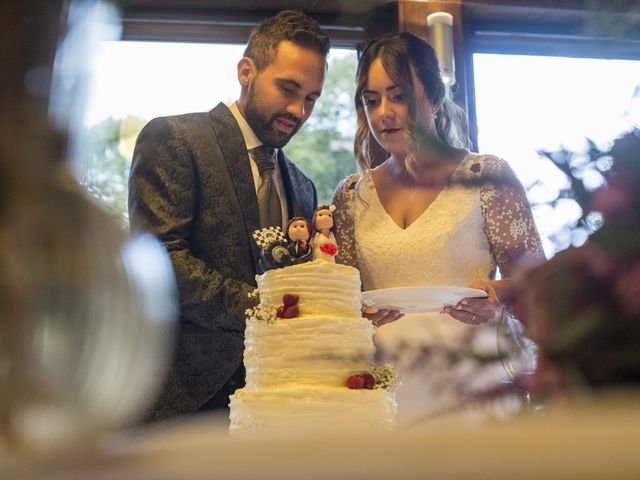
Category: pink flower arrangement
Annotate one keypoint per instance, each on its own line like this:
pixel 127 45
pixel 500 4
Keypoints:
pixel 582 307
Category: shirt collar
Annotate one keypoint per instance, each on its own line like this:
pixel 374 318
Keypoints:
pixel 250 138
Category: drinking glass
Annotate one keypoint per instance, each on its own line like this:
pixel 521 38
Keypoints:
pixel 87 320
pixel 518 354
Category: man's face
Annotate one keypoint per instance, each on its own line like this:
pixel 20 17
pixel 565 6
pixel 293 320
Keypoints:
pixel 298 231
pixel 281 97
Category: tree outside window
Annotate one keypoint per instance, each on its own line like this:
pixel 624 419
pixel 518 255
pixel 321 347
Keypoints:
pixel 322 148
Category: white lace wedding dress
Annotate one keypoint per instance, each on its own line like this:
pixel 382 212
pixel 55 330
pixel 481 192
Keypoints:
pixel 471 228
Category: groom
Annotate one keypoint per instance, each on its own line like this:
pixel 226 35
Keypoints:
pixel 203 182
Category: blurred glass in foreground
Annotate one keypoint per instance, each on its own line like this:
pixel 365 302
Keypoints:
pixel 86 314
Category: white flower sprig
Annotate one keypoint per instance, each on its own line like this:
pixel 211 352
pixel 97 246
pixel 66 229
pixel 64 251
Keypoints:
pixel 386 377
pixel 264 311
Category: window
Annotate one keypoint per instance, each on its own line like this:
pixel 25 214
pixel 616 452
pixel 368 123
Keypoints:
pixel 526 103
pixel 136 81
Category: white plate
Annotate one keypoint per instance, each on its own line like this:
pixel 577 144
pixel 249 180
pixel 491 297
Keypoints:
pixel 418 299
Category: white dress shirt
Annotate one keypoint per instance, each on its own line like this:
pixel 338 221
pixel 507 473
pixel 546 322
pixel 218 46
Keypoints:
pixel 251 141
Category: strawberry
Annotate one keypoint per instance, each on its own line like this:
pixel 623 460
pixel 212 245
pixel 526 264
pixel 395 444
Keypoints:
pixel 290 300
pixel 291 312
pixel 355 382
pixel 280 311
pixel 369 381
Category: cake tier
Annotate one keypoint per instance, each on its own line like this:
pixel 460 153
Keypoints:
pixel 324 288
pixel 313 409
pixel 308 350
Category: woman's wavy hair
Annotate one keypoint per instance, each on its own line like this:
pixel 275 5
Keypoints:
pixel 399 52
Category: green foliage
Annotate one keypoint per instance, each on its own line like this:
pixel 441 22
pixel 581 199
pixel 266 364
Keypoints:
pixel 610 20
pixel 107 161
pixel 323 149
pixel 576 167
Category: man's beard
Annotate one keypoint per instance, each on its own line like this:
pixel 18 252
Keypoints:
pixel 263 125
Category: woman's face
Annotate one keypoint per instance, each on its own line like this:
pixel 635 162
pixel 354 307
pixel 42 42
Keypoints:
pixel 386 107
pixel 324 219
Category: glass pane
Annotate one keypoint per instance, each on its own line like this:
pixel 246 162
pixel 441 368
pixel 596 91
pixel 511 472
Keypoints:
pixel 133 82
pixel 323 148
pixel 529 103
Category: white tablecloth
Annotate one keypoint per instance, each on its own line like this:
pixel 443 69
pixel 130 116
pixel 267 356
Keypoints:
pixel 578 441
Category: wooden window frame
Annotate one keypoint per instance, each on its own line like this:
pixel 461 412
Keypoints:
pixel 551 28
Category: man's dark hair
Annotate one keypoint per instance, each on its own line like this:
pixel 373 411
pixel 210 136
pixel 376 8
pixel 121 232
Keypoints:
pixel 288 25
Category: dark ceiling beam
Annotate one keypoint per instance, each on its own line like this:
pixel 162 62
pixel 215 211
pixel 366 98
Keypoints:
pixel 193 23
pixel 350 22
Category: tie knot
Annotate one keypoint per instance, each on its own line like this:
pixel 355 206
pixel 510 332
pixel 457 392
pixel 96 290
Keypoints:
pixel 264 158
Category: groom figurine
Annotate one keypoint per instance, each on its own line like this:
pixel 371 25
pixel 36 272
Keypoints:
pixel 203 182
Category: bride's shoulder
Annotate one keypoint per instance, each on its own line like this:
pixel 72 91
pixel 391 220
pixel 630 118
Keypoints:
pixel 484 159
pixel 482 164
pixel 348 184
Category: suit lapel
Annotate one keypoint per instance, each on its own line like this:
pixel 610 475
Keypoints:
pixel 236 158
pixel 301 196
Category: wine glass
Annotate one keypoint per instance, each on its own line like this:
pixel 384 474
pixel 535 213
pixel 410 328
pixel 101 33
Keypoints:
pixel 518 354
pixel 87 314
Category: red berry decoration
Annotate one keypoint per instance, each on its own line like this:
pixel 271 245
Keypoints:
pixel 369 381
pixel 355 382
pixel 289 308
pixel 291 312
pixel 290 300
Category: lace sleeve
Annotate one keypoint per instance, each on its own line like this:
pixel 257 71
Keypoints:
pixel 343 218
pixel 509 224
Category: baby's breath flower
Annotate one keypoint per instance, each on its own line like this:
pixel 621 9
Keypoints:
pixel 264 311
pixel 386 377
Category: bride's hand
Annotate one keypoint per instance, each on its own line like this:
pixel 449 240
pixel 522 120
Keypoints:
pixel 382 316
pixel 475 311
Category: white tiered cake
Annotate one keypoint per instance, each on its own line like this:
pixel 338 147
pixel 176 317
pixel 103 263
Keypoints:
pixel 298 367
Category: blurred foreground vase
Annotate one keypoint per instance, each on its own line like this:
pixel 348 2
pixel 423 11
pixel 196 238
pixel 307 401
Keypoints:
pixel 86 317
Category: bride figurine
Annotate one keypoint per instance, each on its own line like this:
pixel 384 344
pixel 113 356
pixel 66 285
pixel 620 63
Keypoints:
pixel 324 241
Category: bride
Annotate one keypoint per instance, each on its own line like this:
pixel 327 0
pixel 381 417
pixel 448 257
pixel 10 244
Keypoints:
pixel 424 211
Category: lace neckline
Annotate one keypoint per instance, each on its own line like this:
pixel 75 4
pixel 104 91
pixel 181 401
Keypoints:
pixel 374 191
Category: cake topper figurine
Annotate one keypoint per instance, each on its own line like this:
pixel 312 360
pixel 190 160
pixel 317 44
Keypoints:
pixel 324 242
pixel 299 247
pixel 273 245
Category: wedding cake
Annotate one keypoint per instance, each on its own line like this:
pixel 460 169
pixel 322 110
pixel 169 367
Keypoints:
pixel 309 355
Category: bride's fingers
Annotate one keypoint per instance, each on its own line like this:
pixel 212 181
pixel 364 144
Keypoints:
pixel 491 292
pixel 469 316
pixel 473 319
pixel 391 316
pixel 476 304
pixel 382 316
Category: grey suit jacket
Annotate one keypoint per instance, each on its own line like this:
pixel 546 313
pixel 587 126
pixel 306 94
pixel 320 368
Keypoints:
pixel 191 185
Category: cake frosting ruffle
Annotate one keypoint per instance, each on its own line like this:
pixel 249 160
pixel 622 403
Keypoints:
pixel 323 287
pixel 297 368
